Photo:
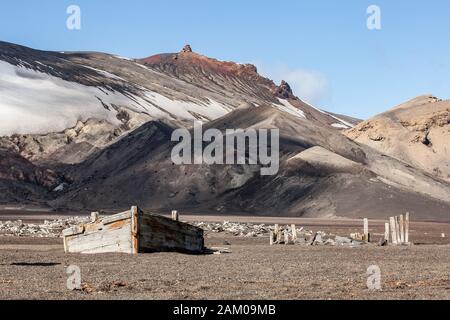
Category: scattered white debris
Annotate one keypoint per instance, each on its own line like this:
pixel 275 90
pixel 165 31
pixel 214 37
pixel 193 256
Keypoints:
pixel 248 230
pixel 218 251
pixel 49 229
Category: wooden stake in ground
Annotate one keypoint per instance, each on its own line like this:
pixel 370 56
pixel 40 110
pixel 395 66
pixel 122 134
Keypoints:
pixel 397 229
pixel 94 216
pixel 175 215
pixel 402 229
pixel 366 230
pixel 272 236
pixel 386 231
pixel 393 230
pixel 286 236
pixel 279 236
pixel 294 232
pixel 407 228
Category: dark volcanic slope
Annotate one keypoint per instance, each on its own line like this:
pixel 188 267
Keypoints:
pixel 322 174
pixel 23 182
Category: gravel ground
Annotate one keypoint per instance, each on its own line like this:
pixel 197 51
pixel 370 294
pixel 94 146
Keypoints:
pixel 36 269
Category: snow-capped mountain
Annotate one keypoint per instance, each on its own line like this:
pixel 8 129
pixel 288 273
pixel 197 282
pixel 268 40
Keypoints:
pixel 84 130
pixel 90 99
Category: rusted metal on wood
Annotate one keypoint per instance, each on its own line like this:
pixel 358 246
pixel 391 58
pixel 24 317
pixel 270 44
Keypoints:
pixel 135 220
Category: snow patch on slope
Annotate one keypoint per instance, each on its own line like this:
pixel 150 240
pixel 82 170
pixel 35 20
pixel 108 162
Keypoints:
pixel 340 126
pixel 289 108
pixel 206 110
pixel 34 102
pixel 345 124
pixel 105 73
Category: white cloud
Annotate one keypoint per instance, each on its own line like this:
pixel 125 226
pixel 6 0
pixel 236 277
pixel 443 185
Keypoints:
pixel 311 86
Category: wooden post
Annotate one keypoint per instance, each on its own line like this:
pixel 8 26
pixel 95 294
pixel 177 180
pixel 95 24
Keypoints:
pixel 66 249
pixel 393 230
pixel 279 235
pixel 175 215
pixel 271 235
pixel 294 232
pixel 386 231
pixel 94 216
pixel 286 237
pixel 366 230
pixel 397 229
pixel 407 228
pixel 402 229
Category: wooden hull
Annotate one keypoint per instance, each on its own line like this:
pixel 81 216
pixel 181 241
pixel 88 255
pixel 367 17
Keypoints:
pixel 133 232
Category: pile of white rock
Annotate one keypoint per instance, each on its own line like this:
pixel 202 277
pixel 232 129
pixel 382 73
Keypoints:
pixel 286 234
pixel 290 236
pixel 245 229
pixel 234 228
pixel 49 229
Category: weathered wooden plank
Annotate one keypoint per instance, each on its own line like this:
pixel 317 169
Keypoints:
pixel 102 241
pixel 119 247
pixel 151 241
pixel 117 217
pixel 163 223
pixel 158 233
pixel 79 229
pixel 91 240
pixel 99 226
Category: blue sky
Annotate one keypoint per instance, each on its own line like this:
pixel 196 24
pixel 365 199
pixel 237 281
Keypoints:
pixel 322 47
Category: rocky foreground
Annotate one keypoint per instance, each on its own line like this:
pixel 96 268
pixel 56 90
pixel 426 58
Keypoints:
pixel 35 268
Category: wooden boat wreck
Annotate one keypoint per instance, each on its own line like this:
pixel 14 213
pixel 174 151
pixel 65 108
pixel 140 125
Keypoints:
pixel 133 231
